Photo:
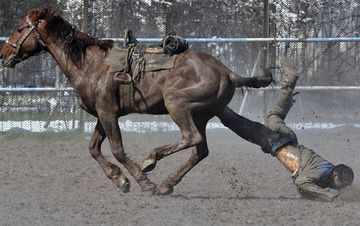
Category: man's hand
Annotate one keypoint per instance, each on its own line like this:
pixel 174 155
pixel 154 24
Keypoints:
pixel 333 194
pixel 312 191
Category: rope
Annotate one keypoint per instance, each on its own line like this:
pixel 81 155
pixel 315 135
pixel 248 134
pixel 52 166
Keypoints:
pixel 34 70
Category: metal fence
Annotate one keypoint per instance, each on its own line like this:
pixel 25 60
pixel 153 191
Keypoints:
pixel 306 32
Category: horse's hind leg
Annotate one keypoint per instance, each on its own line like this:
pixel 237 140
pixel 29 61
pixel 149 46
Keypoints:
pixel 190 136
pixel 111 170
pixel 199 152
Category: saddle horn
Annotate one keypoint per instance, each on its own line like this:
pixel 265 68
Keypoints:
pixel 129 38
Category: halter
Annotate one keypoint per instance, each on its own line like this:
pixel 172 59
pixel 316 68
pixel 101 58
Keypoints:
pixel 18 45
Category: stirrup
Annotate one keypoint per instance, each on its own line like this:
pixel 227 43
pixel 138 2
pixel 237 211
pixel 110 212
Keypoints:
pixel 123 78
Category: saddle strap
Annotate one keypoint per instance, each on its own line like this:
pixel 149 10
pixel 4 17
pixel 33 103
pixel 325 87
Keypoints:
pixel 136 61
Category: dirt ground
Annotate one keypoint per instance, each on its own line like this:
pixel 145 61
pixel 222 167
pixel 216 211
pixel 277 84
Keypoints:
pixel 55 181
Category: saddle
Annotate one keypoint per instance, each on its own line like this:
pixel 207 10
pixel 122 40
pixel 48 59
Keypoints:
pixel 131 60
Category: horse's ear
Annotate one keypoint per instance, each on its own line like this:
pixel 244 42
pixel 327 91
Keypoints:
pixel 41 13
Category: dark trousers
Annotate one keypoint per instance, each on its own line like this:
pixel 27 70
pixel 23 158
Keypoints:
pixel 276 133
pixel 276 116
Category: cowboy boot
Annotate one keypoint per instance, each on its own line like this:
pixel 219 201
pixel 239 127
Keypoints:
pixel 284 97
pixel 289 77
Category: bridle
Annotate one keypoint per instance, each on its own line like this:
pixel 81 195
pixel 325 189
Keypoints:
pixel 33 28
pixel 18 45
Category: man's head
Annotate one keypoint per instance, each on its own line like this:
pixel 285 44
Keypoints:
pixel 342 176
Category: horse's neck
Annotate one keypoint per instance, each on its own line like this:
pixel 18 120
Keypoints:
pixel 75 74
pixel 63 60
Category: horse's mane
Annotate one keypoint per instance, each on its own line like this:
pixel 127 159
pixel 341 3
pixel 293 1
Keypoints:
pixel 61 31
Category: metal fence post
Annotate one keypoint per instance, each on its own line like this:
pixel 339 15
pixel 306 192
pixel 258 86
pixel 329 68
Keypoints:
pixel 266 47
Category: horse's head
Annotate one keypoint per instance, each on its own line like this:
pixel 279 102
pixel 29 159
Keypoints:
pixel 27 40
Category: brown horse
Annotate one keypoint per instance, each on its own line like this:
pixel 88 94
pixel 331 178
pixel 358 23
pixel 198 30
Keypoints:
pixel 196 89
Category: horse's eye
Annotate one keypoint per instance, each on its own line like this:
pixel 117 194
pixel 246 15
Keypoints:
pixel 19 30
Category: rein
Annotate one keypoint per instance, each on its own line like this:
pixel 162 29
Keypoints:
pixel 35 70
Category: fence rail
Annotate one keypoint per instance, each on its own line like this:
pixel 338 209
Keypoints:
pixel 314 39
pixel 69 89
pixel 35 90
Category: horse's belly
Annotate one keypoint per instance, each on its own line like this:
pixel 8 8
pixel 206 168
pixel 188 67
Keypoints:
pixel 148 107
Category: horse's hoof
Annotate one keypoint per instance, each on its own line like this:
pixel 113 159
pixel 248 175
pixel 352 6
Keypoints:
pixel 125 188
pixel 148 165
pixel 151 192
pixel 123 183
pixel 166 189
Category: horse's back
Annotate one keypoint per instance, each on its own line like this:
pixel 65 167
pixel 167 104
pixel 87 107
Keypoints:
pixel 205 59
pixel 198 81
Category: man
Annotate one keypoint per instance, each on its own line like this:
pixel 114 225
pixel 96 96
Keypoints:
pixel 315 177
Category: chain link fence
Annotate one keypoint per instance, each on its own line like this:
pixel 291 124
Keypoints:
pixel 318 63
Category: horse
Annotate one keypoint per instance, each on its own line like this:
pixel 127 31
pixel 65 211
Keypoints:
pixel 196 89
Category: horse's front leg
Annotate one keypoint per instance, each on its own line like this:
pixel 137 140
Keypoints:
pixel 110 124
pixel 111 170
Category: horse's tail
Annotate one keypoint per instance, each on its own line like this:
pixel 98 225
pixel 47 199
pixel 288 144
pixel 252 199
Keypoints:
pixel 252 82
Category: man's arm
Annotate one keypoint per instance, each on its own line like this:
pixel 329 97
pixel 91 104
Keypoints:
pixel 312 191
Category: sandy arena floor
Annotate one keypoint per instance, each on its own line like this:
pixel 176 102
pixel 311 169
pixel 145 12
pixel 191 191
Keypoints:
pixel 56 182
